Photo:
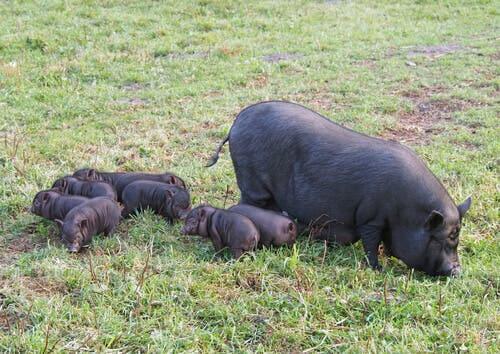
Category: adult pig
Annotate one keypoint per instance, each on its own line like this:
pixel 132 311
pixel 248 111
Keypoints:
pixel 287 157
pixel 274 228
pixel 97 215
pixel 52 205
pixel 90 189
pixel 224 228
pixel 121 179
pixel 168 200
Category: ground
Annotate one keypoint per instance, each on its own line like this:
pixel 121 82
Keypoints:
pixel 154 86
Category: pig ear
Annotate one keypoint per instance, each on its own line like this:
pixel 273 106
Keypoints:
pixel 203 214
pixel 464 207
pixel 59 222
pixel 91 174
pixel 169 193
pixel 435 219
pixel 46 197
pixel 172 180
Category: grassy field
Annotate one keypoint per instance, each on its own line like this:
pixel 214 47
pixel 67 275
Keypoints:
pixel 155 85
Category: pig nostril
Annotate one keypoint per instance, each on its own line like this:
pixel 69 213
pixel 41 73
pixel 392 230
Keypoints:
pixel 455 271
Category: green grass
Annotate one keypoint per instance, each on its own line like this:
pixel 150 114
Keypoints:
pixel 155 85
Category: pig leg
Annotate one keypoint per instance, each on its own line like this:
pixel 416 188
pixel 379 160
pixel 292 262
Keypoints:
pixel 217 242
pixel 254 193
pixel 371 236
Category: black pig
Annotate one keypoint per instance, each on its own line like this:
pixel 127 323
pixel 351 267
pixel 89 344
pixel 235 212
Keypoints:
pixel 97 215
pixel 274 228
pixel 120 180
pixel 90 189
pixel 224 228
pixel 289 158
pixel 168 200
pixel 52 205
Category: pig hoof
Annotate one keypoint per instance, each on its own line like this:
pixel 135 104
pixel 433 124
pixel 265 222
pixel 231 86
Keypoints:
pixel 377 267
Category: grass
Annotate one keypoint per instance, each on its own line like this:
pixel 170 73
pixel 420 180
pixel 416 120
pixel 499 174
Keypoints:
pixel 153 86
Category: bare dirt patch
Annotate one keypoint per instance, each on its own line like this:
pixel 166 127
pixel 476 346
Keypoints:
pixel 367 63
pixel 134 102
pixel 11 317
pixel 427 116
pixel 435 51
pixel 41 286
pixel 182 56
pixel 319 100
pixel 258 82
pixel 495 56
pixel 133 86
pixel 12 249
pixel 277 57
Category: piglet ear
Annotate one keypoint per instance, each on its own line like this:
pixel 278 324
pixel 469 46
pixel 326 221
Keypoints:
pixel 91 174
pixel 172 180
pixel 203 214
pixel 464 207
pixel 434 220
pixel 46 197
pixel 169 193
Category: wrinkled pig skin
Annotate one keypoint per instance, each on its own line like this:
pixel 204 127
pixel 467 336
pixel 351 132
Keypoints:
pixel 274 228
pixel 97 215
pixel 224 228
pixel 170 201
pixel 347 185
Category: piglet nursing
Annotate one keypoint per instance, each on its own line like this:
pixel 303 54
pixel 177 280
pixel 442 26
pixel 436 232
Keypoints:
pixel 274 228
pixel 224 228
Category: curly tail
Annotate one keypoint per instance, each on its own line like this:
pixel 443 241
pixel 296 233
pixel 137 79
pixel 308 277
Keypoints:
pixel 215 156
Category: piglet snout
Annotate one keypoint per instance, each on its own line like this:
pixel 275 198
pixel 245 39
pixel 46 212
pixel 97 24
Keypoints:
pixel 183 214
pixel 73 248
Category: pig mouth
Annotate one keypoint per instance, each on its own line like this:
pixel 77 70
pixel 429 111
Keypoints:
pixel 74 248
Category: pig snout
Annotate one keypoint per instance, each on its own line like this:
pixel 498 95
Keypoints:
pixel 450 269
pixel 455 269
pixel 184 213
pixel 74 248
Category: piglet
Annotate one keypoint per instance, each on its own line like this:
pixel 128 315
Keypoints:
pixel 90 189
pixel 97 215
pixel 224 228
pixel 120 180
pixel 274 228
pixel 52 205
pixel 168 200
